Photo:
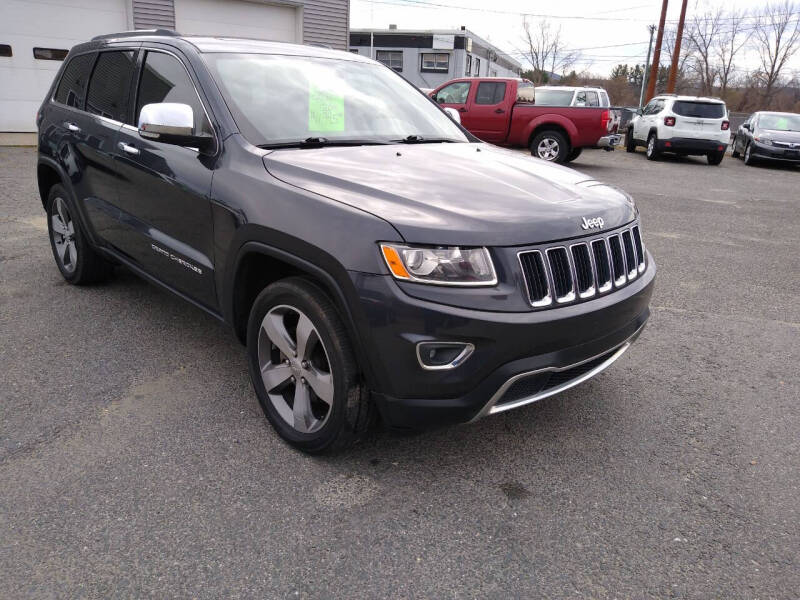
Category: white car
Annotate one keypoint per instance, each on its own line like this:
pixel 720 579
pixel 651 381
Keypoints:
pixel 684 125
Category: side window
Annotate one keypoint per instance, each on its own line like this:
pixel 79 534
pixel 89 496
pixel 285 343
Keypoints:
pixel 164 79
pixel 490 92
pixel 591 99
pixel 650 108
pixel 580 99
pixel 604 101
pixel 455 93
pixel 71 89
pixel 110 85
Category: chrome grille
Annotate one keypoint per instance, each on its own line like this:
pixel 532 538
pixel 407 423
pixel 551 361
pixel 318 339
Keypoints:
pixel 561 274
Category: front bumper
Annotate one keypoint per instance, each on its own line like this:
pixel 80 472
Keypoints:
pixel 507 345
pixel 690 146
pixel 770 152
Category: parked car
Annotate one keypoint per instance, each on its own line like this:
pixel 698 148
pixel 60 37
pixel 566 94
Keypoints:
pixel 771 136
pixel 510 112
pixel 370 253
pixel 683 125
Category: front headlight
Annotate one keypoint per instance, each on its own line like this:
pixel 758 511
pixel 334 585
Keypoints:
pixel 763 140
pixel 450 265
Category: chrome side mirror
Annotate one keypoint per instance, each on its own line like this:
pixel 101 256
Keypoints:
pixel 172 123
pixel 453 114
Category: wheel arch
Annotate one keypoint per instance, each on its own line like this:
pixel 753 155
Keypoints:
pixel 48 174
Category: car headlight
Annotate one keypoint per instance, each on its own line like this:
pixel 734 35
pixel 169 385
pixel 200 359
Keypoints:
pixel 764 140
pixel 448 265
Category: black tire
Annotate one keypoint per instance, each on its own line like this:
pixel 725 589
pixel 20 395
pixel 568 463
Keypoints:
pixel 80 264
pixel 556 142
pixel 652 152
pixel 351 411
pixel 749 159
pixel 630 143
pixel 573 154
pixel 715 158
pixel 734 151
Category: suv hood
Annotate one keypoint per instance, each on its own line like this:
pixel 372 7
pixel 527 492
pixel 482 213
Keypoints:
pixel 457 193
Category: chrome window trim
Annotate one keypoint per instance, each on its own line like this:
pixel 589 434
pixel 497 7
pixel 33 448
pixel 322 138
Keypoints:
pixel 456 362
pixel 548 298
pixel 491 407
pixel 569 296
pixel 592 288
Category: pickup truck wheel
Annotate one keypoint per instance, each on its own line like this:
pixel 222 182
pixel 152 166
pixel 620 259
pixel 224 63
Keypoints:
pixel 551 146
pixel 652 150
pixel 76 259
pixel 573 154
pixel 630 143
pixel 303 368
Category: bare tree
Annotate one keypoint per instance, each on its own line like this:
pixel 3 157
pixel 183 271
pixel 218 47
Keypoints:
pixel 727 45
pixel 545 50
pixel 777 38
pixel 701 33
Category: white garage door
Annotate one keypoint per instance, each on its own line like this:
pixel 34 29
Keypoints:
pixel 25 25
pixel 238 18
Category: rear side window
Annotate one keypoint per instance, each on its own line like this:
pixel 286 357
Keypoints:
pixel 164 79
pixel 71 89
pixel 490 92
pixel 702 110
pixel 110 85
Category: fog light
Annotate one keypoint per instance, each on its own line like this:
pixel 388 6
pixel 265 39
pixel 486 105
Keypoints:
pixel 443 355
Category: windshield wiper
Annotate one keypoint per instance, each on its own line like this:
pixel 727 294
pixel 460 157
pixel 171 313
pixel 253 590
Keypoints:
pixel 319 142
pixel 418 139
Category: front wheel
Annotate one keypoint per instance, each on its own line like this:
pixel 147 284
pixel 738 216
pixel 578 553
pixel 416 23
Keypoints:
pixel 749 160
pixel 652 147
pixel 303 368
pixel 551 146
pixel 734 151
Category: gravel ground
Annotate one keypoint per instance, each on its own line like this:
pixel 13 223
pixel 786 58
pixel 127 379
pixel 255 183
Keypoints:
pixel 134 459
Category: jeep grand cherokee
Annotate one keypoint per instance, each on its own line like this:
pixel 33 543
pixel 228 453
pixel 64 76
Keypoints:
pixel 374 257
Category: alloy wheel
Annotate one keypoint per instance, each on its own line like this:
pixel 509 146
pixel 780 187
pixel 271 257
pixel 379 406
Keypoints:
pixel 548 149
pixel 295 368
pixel 64 235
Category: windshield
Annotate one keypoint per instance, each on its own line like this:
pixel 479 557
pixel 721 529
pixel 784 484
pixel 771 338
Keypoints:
pixel 701 110
pixel 779 122
pixel 286 99
pixel 553 97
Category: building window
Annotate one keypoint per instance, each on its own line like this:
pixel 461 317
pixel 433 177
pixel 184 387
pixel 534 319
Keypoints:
pixel 468 70
pixel 477 67
pixel 493 73
pixel 5 50
pixel 436 63
pixel 50 53
pixel 392 59
pixel 354 50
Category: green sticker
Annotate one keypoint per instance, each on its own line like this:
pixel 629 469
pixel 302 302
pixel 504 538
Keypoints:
pixel 325 110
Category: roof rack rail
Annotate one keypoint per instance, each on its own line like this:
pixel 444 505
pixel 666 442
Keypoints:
pixel 122 34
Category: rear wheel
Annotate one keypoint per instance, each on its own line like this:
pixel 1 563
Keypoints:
pixel 573 154
pixel 551 146
pixel 630 143
pixel 76 259
pixel 303 368
pixel 714 158
pixel 652 150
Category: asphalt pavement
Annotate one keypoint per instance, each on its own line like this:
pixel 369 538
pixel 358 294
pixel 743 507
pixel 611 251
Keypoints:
pixel 135 461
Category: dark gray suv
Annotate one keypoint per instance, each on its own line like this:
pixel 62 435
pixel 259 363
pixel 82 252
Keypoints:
pixel 375 258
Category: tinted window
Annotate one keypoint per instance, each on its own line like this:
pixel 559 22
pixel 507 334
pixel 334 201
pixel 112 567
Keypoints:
pixel 455 93
pixel 164 79
pixel 50 53
pixel 553 97
pixel 110 85
pixel 5 50
pixel 72 87
pixel 490 92
pixel 702 110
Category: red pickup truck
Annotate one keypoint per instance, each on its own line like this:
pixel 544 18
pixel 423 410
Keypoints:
pixel 511 112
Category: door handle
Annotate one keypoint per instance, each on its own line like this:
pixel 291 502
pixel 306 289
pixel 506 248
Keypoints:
pixel 499 111
pixel 128 149
pixel 72 127
pixel 462 109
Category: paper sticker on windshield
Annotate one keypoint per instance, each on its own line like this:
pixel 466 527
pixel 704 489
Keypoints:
pixel 325 110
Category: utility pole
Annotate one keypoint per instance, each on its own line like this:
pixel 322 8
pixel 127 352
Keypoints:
pixel 645 72
pixel 676 52
pixel 651 85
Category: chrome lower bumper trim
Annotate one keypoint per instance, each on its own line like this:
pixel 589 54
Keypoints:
pixel 492 407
